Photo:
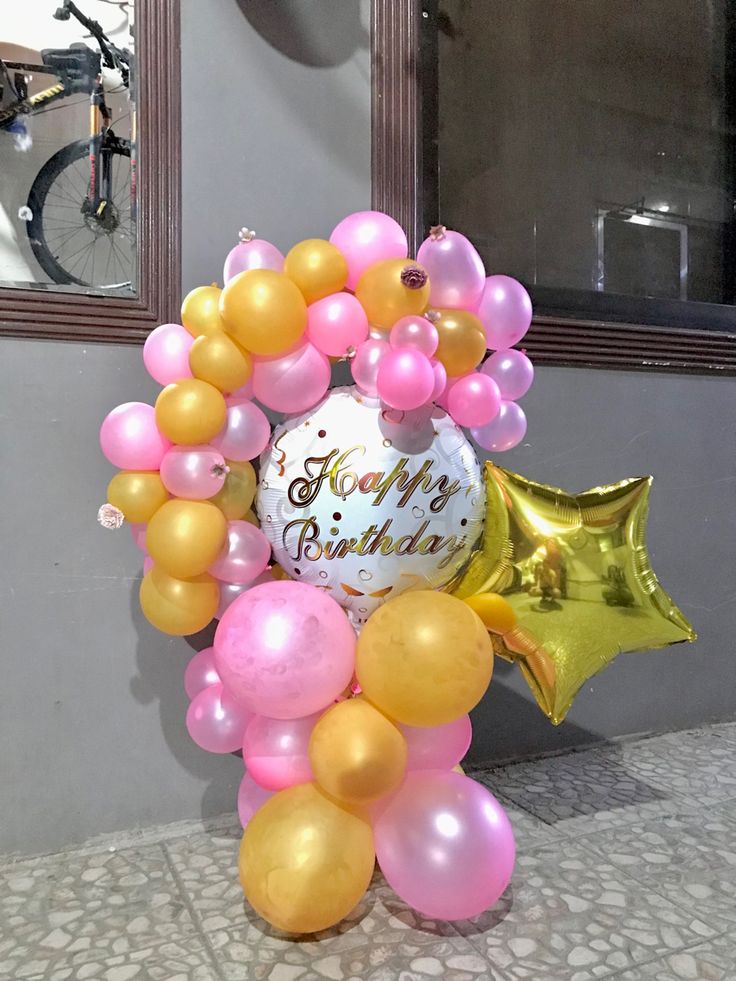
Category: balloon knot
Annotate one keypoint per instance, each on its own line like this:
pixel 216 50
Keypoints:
pixel 414 277
pixel 350 353
pixel 437 233
pixel 432 316
pixel 246 235
pixel 110 517
pixel 219 470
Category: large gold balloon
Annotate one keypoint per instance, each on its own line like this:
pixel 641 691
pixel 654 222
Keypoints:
pixel 178 606
pixel 137 494
pixel 462 341
pixel 391 289
pixel 576 570
pixel 264 311
pixel 190 411
pixel 235 497
pixel 423 660
pixel 496 613
pixel 357 755
pixel 317 267
pixel 305 862
pixel 185 537
pixel 200 311
pixel 217 359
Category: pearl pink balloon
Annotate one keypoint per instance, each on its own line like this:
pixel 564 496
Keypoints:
pixel 216 721
pixel 292 383
pixel 147 564
pixel 456 273
pixel 416 332
pixel 437 747
pixel 138 534
pixel 166 353
pixel 276 751
pixel 130 439
pixel 440 380
pixel 512 371
pixel 364 366
pixel 336 324
pixel 229 591
pixel 366 237
pixel 505 431
pixel 445 845
pixel 250 798
pixel 246 432
pixel 405 379
pixel 201 673
pixel 256 254
pixel 243 394
pixel 245 555
pixel 193 472
pixel 505 310
pixel 285 649
pixel 474 400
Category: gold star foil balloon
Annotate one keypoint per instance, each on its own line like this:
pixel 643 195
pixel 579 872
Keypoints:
pixel 576 571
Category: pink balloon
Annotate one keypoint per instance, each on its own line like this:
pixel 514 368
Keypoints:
pixel 437 747
pixel 456 273
pixel 243 394
pixel 246 432
pixel 473 400
pixel 130 439
pixel 364 366
pixel 416 332
pixel 336 324
pixel 512 371
pixel 166 353
pixel 138 534
pixel 445 845
pixel 216 721
pixel 405 379
pixel 505 431
pixel 193 472
pixel 147 564
pixel 201 673
pixel 440 380
pixel 250 798
pixel 256 254
pixel 445 394
pixel 505 310
pixel 366 237
pixel 292 383
pixel 245 555
pixel 276 751
pixel 229 591
pixel 285 649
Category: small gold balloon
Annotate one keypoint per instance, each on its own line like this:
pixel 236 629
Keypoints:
pixel 251 518
pixel 391 289
pixel 178 606
pixel 200 311
pixel 137 494
pixel 496 613
pixel 264 311
pixel 317 267
pixel 458 769
pixel 217 359
pixel 357 755
pixel 185 537
pixel 235 497
pixel 462 341
pixel 190 411
pixel 305 862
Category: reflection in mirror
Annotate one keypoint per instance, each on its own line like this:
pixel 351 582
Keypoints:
pixel 68 146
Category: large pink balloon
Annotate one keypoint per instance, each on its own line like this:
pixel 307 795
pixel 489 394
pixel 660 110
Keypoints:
pixel 505 431
pixel 405 379
pixel 216 721
pixel 473 400
pixel 416 332
pixel 193 472
pixel 250 798
pixel 364 366
pixel 276 751
pixel 285 649
pixel 366 237
pixel 505 310
pixel 200 673
pixel 456 273
pixel 166 353
pixel 445 845
pixel 256 254
pixel 246 432
pixel 294 382
pixel 437 747
pixel 130 439
pixel 512 371
pixel 337 324
pixel 245 555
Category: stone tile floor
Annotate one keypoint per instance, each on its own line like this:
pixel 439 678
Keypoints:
pixel 626 869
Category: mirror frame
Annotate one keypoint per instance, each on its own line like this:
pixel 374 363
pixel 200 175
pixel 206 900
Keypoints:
pixel 76 316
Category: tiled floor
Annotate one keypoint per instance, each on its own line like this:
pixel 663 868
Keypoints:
pixel 626 869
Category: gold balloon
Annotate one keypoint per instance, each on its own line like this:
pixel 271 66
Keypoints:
pixel 391 289
pixel 264 311
pixel 190 412
pixel 357 755
pixel 424 658
pixel 217 359
pixel 576 571
pixel 251 518
pixel 138 495
pixel 185 537
pixel 200 311
pixel 317 267
pixel 305 862
pixel 458 769
pixel 235 497
pixel 178 606
pixel 496 613
pixel 462 342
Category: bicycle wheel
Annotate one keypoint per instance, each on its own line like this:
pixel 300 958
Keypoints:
pixel 70 244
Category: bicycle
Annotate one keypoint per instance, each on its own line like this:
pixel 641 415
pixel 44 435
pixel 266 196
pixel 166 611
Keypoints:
pixel 81 209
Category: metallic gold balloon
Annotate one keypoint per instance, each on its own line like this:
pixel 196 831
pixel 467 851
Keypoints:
pixel 179 606
pixel 462 341
pixel 264 311
pixel 496 613
pixel 391 289
pixel 357 755
pixel 217 359
pixel 422 660
pixel 235 497
pixel 305 862
pixel 576 570
pixel 137 494
pixel 185 537
pixel 200 311
pixel 190 412
pixel 317 267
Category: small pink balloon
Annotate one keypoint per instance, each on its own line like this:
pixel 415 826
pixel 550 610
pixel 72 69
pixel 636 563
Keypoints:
pixel 200 673
pixel 292 383
pixel 364 366
pixel 456 273
pixel 505 310
pixel 445 394
pixel 229 591
pixel 440 380
pixel 243 394
pixel 246 432
pixel 437 747
pixel 336 324
pixel 147 565
pixel 138 534
pixel 256 254
pixel 245 555
pixel 216 721
pixel 276 751
pixel 130 439
pixel 416 332
pixel 366 237
pixel 250 798
pixel 193 472
pixel 166 353
pixel 505 431
pixel 473 400
pixel 512 371
pixel 405 379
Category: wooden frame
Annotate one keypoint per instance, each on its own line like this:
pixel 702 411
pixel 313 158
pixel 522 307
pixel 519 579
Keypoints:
pixel 399 102
pixel 75 316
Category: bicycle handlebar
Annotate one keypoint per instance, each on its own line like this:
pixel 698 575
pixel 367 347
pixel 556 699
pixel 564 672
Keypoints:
pixel 69 8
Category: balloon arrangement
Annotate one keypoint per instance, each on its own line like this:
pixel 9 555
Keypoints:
pixel 359 611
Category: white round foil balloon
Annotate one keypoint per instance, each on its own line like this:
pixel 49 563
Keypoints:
pixel 367 502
